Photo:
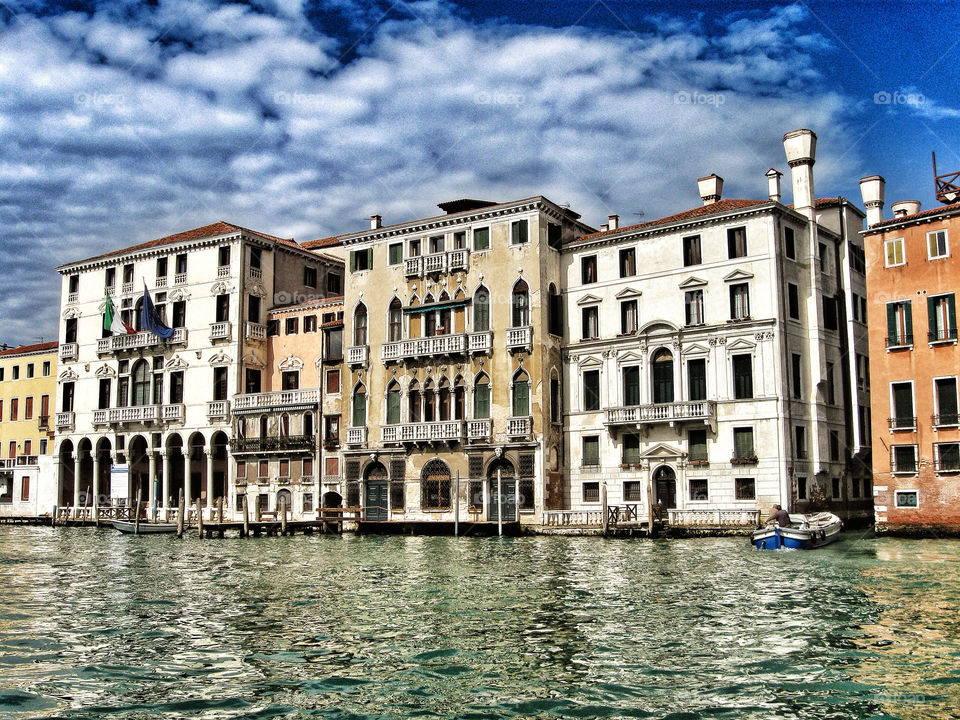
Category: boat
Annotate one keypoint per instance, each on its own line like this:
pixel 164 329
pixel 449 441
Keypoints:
pixel 805 532
pixel 145 528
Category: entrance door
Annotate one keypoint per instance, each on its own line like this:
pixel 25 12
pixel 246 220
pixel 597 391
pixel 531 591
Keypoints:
pixel 376 501
pixel 665 485
pixel 509 500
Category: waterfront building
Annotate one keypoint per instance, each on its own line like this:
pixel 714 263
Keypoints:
pixel 135 410
pixel 912 278
pixel 451 374
pixel 28 387
pixel 711 361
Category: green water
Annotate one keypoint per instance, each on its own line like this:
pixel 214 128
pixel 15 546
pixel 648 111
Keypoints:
pixel 95 624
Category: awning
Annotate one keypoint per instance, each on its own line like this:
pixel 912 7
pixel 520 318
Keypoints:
pixel 436 306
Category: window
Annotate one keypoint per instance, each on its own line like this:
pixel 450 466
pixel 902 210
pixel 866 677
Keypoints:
pixel 554 235
pixel 292 326
pixel 395 253
pixel 253 308
pixel 633 491
pixel 481 398
pixel 591 451
pixel 28 408
pixel 893 252
pixel 176 388
pixel 691 251
pixel 698 490
pixel 801 488
pixel 290 380
pixel 220 383
pixel 310 323
pixel 1 410
pixel 693 305
pixel 74 284
pixel 555 405
pixel 554 312
pixel 273 327
pixel 830 313
pixel 252 381
pixel 740 301
pixel 180 314
pixel 436 244
pixel 128 273
pixel 662 377
pixel 360 325
pixel 743 448
pixel 745 488
pixel 110 277
pixel 518 232
pixel 631 385
pixel 945 390
pixel 824 258
pixel 481 310
pixel 937 245
pixel 69 335
pixel 588 269
pixel 331 430
pixel 736 243
pixel 793 301
pixel 902 416
pixel 590 318
pixel 393 404
pixel 631 448
pixel 591 390
pixel 520 305
pixel 460 240
pixel 359 407
pixel 789 243
pixel 835 488
pixel 697 379
pixel 25 487
pixel 796 372
pixel 628 317
pixel 361 260
pixel 481 238
pixel 435 486
pixel 742 377
pixel 591 492
pixel 223 258
pixel 899 324
pixel 800 442
pixel 181 262
pixel 628 262
pixel 67 405
pixel 834 446
pixel 942 318
pixel 521 396
pixel 141 383
pixel 284 469
pixel 14 409
pixel 904 459
pixel 334 284
pixel 906 499
pixel 697 445
pixel 263 469
pixel 948 457
pixel 395 320
pixel 309 276
pixel 414 248
pixel 333 344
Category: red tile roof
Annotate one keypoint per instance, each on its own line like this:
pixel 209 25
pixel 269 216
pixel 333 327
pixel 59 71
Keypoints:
pixel 322 242
pixel 23 349
pixel 212 230
pixel 717 208
pixel 915 216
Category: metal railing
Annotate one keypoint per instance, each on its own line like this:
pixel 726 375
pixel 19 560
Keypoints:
pixel 267 444
pixel 946 420
pixel 902 423
pixel 900 340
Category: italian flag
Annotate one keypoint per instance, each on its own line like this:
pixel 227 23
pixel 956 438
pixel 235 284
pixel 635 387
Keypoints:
pixel 112 321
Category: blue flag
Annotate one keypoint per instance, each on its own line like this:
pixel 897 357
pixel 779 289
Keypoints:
pixel 150 318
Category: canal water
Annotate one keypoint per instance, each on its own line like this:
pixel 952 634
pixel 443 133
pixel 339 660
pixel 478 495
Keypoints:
pixel 94 624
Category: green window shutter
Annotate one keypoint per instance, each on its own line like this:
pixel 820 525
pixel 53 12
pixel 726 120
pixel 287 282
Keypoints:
pixel 521 398
pixel 891 323
pixel 369 258
pixel 908 321
pixel 951 316
pixel 359 409
pixel 481 402
pixel 932 326
pixel 631 386
pixel 353 261
pixel 393 407
pixel 481 313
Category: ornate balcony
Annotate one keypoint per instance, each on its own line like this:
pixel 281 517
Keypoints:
pixel 218 409
pixel 223 271
pixel 413 267
pixel 256 331
pixel 220 330
pixel 670 413
pixel 65 420
pixel 435 263
pixel 277 400
pixel 520 338
pixel 424 347
pixel 357 355
pixel 161 282
pixel 136 341
pixel 288 443
pixel 442 431
pixel 480 342
pixel 479 430
pixel 68 351
pixel 141 414
pixel 180 279
pixel 357 436
pixel 519 426
pixel 458 259
pixel 73 297
pixel 126 288
pixel 255 273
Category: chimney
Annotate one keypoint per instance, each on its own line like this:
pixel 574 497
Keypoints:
pixel 800 147
pixel 871 190
pixel 375 222
pixel 710 188
pixel 773 184
pixel 604 227
pixel 613 222
pixel 905 207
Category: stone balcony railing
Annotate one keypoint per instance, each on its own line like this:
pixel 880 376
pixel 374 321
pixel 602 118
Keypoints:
pixel 220 330
pixel 161 282
pixel 357 355
pixel 68 351
pixel 126 288
pixel 433 263
pixel 73 297
pixel 223 271
pixel 256 331
pixel 255 273
pixel 279 399
pixel 136 341
pixel 65 420
pixel 180 279
pixel 440 431
pixel 479 429
pixel 357 436
pixel 520 426
pixel 218 409
pixel 142 414
pixel 424 347
pixel 520 338
pixel 671 413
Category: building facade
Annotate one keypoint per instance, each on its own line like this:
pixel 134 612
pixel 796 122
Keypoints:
pixel 28 387
pixel 711 358
pixel 912 277
pixel 135 411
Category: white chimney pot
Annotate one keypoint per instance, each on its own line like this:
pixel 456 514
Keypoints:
pixel 711 188
pixel 773 184
pixel 872 192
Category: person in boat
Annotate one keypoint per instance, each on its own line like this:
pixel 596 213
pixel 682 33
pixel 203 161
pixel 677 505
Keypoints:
pixel 779 515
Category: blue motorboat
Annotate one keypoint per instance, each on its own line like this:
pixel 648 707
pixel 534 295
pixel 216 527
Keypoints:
pixel 805 532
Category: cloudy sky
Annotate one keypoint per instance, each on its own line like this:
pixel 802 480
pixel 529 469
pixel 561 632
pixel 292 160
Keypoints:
pixel 125 121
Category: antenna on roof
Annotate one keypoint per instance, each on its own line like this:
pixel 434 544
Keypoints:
pixel 639 213
pixel 947 185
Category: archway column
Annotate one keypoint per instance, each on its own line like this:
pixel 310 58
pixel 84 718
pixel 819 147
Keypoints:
pixel 208 451
pixel 76 478
pixel 96 482
pixel 166 455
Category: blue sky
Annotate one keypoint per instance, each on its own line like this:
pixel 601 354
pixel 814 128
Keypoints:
pixel 125 121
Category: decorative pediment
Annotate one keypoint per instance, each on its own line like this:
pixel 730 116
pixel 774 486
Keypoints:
pixel 71 313
pixel 662 451
pixel 221 288
pixel 695 349
pixel 105 371
pixel 629 358
pixel 291 363
pixel 738 275
pixel 692 282
pixel 589 362
pixel 69 375
pixel 221 358
pixel 628 293
pixel 740 344
pixel 176 363
pixel 589 300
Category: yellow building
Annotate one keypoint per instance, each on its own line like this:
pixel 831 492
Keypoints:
pixel 28 386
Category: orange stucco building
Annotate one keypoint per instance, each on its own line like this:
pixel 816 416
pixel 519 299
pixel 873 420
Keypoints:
pixel 913 275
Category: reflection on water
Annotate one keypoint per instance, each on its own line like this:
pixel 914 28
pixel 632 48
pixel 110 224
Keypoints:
pixel 96 623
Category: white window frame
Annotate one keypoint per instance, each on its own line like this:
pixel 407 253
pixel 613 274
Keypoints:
pixel 913 400
pixel 936 457
pixel 916 461
pixel 896 499
pixel 886 254
pixel 936 395
pixel 946 244
pixel 702 500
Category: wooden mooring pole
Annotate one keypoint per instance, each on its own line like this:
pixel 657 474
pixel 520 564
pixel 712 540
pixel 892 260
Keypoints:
pixel 246 517
pixel 136 510
pixel 181 511
pixel 199 518
pixel 456 508
pixel 283 515
pixel 499 503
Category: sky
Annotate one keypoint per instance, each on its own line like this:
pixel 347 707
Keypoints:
pixel 124 121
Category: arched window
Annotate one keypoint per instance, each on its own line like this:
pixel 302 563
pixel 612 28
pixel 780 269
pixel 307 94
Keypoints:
pixel 395 320
pixel 435 486
pixel 241 428
pixel 285 425
pixel 521 394
pixel 554 311
pixel 459 398
pixel 429 402
pixel 308 423
pixel 556 403
pixel 360 325
pixel 481 310
pixel 443 400
pixel 263 426
pixel 520 305
pixel 359 406
pixel 141 383
pixel 663 376
pixel 415 402
pixel 137 314
pixel 481 397
pixel 393 403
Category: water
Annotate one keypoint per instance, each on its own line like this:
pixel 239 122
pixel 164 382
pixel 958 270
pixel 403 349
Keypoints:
pixel 94 624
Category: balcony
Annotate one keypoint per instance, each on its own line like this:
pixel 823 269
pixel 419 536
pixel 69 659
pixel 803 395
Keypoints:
pixel 255 273
pixel 223 271
pixel 413 267
pixel 902 423
pixel 480 342
pixel 520 338
pixel 218 409
pixel 280 399
pixel 126 288
pixel 458 259
pixel 899 342
pixel 442 431
pixel 220 331
pixel 421 347
pixel 357 355
pixel 180 279
pixel 73 297
pixel 68 351
pixel 436 263
pixel 256 331
pixel 161 282
pixel 142 414
pixel 136 341
pixel 669 413
pixel 43 422
pixel 65 420
pixel 172 413
pixel 479 430
pixel 519 426
pixel 357 436
pixel 273 444
pixel 946 420
pixel 942 335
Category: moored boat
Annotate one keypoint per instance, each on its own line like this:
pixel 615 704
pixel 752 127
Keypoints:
pixel 145 528
pixel 804 533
